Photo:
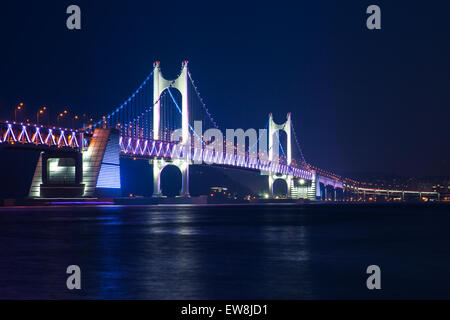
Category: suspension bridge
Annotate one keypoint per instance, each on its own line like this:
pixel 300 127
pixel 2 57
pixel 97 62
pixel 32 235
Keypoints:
pixel 159 122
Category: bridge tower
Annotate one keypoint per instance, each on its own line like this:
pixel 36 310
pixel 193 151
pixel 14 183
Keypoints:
pixel 274 129
pixel 159 85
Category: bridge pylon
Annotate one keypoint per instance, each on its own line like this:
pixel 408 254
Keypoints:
pixel 274 129
pixel 159 85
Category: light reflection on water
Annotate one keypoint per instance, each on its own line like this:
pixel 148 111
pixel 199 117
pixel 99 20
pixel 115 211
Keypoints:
pixel 224 252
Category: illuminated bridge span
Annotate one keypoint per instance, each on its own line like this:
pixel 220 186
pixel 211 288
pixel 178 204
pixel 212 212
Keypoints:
pixel 160 122
pixel 137 147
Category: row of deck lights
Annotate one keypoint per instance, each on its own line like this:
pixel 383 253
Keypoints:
pixel 40 126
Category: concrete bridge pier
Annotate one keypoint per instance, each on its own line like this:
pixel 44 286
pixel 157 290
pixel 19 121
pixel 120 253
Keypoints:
pixel 58 174
pixel 86 172
pixel 297 188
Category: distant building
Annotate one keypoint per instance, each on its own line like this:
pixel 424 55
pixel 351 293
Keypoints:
pixel 218 189
pixel 443 187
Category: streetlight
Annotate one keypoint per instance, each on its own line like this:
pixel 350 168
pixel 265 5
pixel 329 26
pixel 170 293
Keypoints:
pixel 74 118
pixel 40 113
pixel 59 117
pixel 20 107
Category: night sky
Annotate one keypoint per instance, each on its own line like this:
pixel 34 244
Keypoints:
pixel 361 100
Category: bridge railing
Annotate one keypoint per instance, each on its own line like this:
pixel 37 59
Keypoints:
pixel 21 134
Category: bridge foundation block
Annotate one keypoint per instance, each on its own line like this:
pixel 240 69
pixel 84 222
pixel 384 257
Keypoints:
pixel 61 174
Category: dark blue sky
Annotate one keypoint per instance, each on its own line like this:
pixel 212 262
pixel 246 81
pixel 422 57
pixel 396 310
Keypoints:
pixel 362 101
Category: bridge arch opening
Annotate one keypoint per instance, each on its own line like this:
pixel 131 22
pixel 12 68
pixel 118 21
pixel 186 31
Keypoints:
pixel 280 188
pixel 170 112
pixel 170 181
pixel 282 148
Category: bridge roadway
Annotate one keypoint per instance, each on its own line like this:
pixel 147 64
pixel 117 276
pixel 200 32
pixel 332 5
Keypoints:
pixel 44 137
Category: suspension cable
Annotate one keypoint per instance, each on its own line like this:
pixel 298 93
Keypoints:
pixel 201 101
pixel 298 146
pixel 125 103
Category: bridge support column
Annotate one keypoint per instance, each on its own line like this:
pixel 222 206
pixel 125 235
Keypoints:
pixel 271 181
pixel 314 192
pixel 184 168
pixel 288 180
pixel 157 168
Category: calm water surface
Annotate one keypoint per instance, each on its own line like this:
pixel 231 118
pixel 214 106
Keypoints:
pixel 225 252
